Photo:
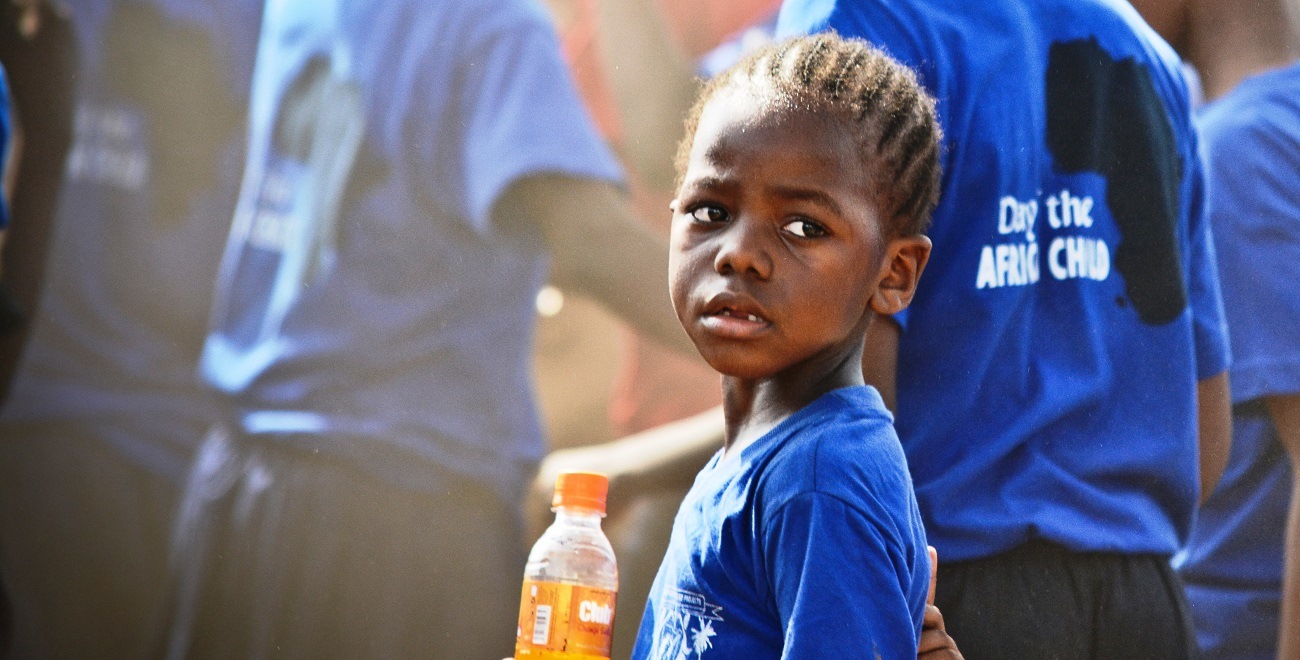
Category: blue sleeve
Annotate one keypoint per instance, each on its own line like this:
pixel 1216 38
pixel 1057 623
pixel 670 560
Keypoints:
pixel 843 588
pixel 1255 173
pixel 1209 326
pixel 524 116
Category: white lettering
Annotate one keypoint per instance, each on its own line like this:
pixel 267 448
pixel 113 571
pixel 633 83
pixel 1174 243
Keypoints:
pixel 1081 211
pixel 1084 258
pixel 1052 218
pixel 987 276
pixel 1016 217
pixel 590 612
pixel 1007 264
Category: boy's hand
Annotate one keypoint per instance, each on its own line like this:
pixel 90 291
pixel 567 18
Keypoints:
pixel 935 642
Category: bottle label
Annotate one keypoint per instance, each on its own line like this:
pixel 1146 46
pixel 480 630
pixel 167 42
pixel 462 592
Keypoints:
pixel 565 618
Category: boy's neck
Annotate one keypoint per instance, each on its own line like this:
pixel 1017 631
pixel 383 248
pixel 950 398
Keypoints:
pixel 752 408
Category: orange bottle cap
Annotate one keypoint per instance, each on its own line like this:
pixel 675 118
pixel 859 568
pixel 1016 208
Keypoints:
pixel 581 489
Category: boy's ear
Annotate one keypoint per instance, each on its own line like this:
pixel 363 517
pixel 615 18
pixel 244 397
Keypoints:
pixel 905 258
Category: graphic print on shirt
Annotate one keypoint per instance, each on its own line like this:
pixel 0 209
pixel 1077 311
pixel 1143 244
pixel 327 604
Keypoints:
pixel 285 232
pixel 1104 117
pixel 688 625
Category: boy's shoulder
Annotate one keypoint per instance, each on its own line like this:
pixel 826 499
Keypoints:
pixel 846 448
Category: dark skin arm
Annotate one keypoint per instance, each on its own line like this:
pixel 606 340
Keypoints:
pixel 601 250
pixel 1214 422
pixel 1285 411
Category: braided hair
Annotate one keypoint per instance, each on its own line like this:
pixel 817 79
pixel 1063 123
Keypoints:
pixel 879 98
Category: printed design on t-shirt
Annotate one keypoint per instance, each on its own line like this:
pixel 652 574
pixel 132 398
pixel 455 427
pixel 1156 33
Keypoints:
pixel 687 625
pixel 1105 116
pixel 108 147
pixel 289 236
pixel 284 239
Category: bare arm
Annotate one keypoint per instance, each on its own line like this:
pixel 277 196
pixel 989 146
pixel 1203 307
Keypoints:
pixel 1285 411
pixel 662 458
pixel 599 249
pixel 653 82
pixel 1214 422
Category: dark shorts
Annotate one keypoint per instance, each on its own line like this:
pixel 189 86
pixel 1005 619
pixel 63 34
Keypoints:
pixel 280 551
pixel 1040 600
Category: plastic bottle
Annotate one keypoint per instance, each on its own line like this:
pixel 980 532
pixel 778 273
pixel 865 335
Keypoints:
pixel 571 580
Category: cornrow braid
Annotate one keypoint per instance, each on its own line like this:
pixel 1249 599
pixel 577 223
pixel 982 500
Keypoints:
pixel 893 117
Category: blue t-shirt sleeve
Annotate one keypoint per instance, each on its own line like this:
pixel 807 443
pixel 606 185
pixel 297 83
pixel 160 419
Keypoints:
pixel 838 582
pixel 1209 326
pixel 1255 173
pixel 523 117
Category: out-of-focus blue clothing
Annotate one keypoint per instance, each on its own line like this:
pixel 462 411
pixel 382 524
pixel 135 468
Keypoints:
pixel 1234 560
pixel 368 290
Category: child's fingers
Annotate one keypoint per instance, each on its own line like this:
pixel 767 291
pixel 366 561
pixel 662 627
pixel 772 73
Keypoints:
pixel 934 573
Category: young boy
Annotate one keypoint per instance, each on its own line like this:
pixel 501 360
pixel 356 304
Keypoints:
pixel 808 172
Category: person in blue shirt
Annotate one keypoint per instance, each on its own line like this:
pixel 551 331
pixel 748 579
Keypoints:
pixel 105 410
pixel 809 171
pixel 414 170
pixel 1066 348
pixel 1241 604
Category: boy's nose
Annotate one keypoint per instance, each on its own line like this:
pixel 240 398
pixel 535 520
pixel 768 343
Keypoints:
pixel 744 250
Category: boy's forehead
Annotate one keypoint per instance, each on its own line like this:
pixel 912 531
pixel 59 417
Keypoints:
pixel 741 126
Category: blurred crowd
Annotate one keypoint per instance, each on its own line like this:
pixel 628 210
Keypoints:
pixel 305 303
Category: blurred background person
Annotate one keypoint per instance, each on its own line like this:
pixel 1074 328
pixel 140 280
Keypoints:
pixel 105 410
pixel 1242 543
pixel 413 168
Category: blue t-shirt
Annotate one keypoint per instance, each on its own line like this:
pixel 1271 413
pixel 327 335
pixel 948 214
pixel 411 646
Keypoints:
pixel 807 544
pixel 147 195
pixel 1233 562
pixel 368 293
pixel 1048 365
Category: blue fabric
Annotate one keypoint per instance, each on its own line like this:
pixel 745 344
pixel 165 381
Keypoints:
pixel 1233 562
pixel 6 137
pixel 368 294
pixel 1048 366
pixel 127 291
pixel 807 544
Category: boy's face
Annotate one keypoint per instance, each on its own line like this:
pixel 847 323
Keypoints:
pixel 778 249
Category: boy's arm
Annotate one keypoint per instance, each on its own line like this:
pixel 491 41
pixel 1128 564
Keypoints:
pixel 1214 429
pixel 834 566
pixel 1285 411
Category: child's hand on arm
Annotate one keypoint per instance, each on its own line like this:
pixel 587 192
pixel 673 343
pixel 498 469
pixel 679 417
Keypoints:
pixel 935 642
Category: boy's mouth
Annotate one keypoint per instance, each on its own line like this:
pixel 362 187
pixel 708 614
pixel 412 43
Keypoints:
pixel 731 313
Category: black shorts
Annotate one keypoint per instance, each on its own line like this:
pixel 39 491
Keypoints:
pixel 1040 600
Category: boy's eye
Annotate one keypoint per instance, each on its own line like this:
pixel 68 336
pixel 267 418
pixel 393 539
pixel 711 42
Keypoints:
pixel 805 229
pixel 709 214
